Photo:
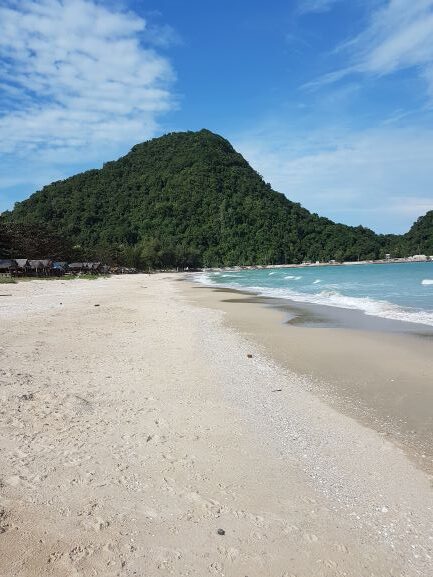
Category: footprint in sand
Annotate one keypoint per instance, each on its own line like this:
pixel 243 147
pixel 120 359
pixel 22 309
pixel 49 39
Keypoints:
pixel 341 547
pixel 287 529
pixel 330 564
pixel 90 520
pixel 230 553
pixel 55 556
pixel 216 568
pixel 209 504
pixel 79 553
pixel 258 520
pixel 310 537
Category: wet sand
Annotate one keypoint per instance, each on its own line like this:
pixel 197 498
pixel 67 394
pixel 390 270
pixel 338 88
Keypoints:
pixel 376 370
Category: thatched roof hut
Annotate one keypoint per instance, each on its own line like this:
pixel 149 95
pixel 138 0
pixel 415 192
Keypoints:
pixel 46 263
pixel 35 264
pixel 40 265
pixel 76 266
pixel 22 263
pixel 92 266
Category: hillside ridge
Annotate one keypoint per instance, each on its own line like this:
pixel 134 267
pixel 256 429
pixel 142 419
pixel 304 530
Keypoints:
pixel 190 197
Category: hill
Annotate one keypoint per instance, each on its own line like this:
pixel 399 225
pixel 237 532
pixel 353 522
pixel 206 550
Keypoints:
pixel 420 237
pixel 189 198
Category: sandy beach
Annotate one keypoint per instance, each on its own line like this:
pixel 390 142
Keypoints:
pixel 377 370
pixel 147 430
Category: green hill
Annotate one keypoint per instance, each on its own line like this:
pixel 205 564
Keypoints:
pixel 190 199
pixel 420 237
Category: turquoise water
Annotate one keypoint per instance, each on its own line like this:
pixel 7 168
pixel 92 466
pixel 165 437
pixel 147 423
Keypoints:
pixel 402 291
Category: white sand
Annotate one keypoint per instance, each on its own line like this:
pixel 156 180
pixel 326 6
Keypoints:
pixel 131 432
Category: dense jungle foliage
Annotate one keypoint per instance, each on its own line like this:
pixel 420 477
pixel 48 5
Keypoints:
pixel 420 237
pixel 189 199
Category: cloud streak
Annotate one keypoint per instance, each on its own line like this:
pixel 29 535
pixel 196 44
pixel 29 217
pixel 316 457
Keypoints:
pixel 399 36
pixel 77 75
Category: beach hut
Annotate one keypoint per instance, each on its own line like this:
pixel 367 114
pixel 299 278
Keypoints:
pixel 34 266
pixel 93 267
pixel 47 264
pixel 41 267
pixel 22 265
pixel 76 267
pixel 7 266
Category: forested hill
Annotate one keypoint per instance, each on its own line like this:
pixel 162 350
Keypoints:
pixel 420 237
pixel 189 198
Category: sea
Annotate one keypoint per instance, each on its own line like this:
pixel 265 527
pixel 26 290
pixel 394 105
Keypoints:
pixel 398 291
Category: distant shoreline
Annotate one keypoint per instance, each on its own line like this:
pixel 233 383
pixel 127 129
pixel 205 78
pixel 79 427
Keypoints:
pixel 408 260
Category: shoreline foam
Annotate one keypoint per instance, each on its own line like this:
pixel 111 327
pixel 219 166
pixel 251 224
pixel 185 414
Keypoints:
pixel 369 306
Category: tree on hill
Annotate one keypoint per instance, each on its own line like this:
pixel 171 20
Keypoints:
pixel 33 241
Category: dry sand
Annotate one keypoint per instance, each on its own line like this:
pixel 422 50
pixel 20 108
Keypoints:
pixel 132 431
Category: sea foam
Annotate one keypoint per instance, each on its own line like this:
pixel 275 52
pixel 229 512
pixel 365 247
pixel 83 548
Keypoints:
pixel 427 281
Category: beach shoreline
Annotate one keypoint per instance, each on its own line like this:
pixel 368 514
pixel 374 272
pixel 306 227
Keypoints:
pixel 141 433
pixel 373 369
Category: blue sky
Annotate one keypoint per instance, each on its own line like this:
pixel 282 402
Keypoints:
pixel 330 100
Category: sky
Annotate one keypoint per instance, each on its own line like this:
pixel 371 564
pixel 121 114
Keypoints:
pixel 331 101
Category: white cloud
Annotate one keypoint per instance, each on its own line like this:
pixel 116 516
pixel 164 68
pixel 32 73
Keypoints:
pixel 380 178
pixel 76 76
pixel 399 36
